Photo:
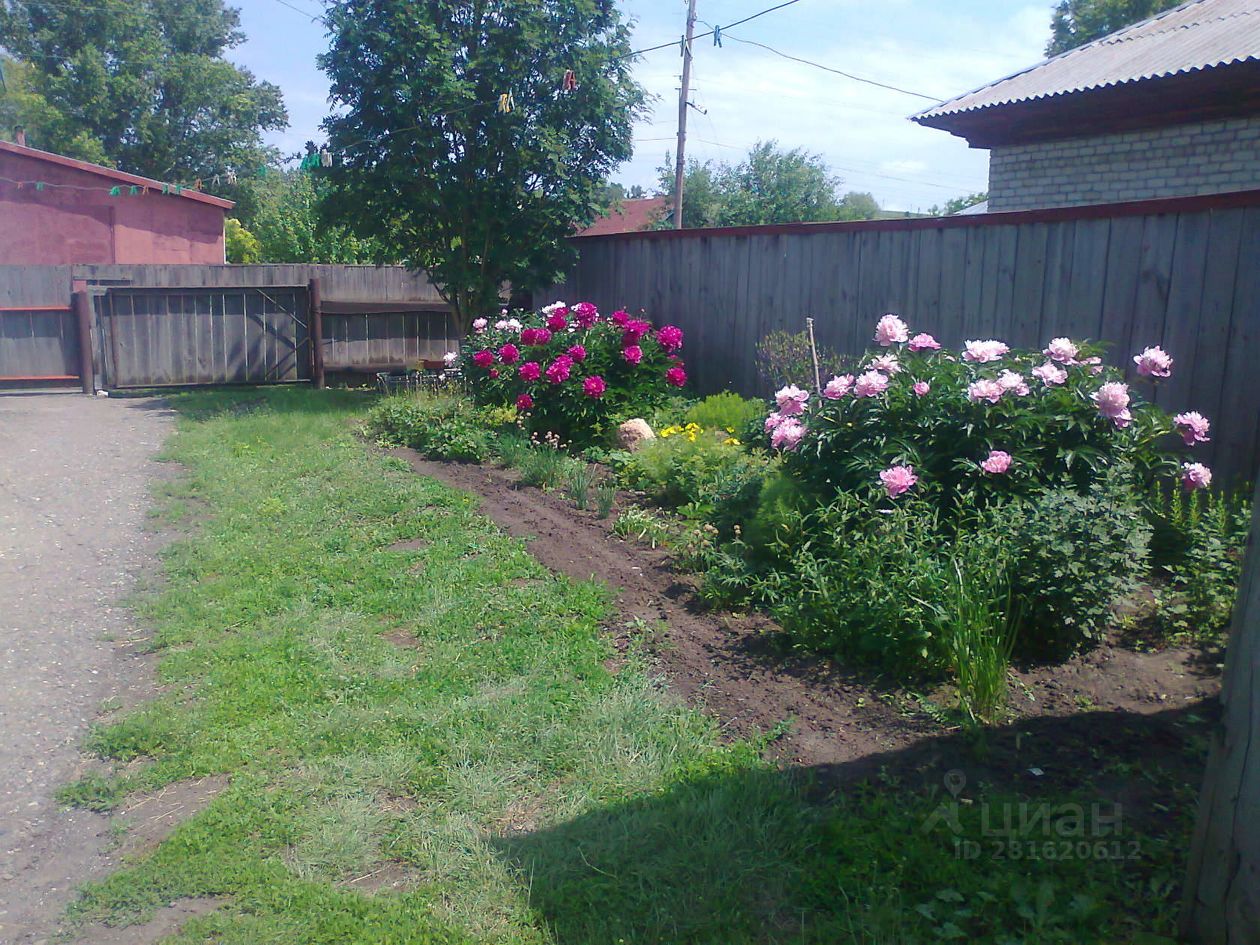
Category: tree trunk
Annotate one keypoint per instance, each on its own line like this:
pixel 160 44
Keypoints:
pixel 1222 900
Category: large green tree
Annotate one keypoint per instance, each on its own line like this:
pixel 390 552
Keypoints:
pixel 142 84
pixel 434 168
pixel 283 213
pixel 770 185
pixel 1077 22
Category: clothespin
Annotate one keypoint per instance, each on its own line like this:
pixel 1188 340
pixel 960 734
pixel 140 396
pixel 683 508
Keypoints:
pixel 325 157
pixel 197 185
pixel 717 36
pixel 179 189
pixel 166 188
pixel 115 191
pixel 231 176
pixel 570 80
pixel 506 103
pixel 214 181
pixel 39 185
pixel 134 191
pixel 682 45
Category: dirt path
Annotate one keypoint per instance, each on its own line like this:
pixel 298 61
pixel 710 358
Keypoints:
pixel 74 487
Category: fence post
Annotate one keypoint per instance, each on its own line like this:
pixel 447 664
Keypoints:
pixel 316 333
pixel 82 306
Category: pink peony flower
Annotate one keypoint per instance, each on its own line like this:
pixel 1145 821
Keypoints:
pixel 1113 402
pixel 870 384
pixel 509 353
pixel 921 388
pixel 1013 383
pixel 528 336
pixel 787 435
pixel 632 353
pixel 837 387
pixel 1153 362
pixel 483 358
pixel 773 421
pixel 620 318
pixel 557 322
pixel 791 400
pixel 898 479
pixel 985 389
pixel 494 373
pixel 1193 427
pixel 676 376
pixel 594 386
pixel 524 402
pixel 479 325
pixel 997 463
pixel 924 342
pixel 886 363
pixel 1050 373
pixel 585 314
pixel 1094 364
pixel 670 337
pixel 577 353
pixel 1195 476
pixel 891 330
pixel 982 352
pixel 635 329
pixel 450 358
pixel 508 324
pixel 541 336
pixel 1061 350
pixel 529 371
pixel 558 370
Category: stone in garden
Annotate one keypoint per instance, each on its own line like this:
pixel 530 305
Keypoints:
pixel 631 433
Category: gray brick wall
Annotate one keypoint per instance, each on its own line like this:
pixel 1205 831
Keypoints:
pixel 1201 158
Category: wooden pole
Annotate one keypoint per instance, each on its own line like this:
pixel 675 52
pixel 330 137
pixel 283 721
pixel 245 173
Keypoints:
pixel 316 334
pixel 683 92
pixel 813 350
pixel 1222 892
pixel 82 305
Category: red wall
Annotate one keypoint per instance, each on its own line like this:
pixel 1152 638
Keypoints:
pixel 57 226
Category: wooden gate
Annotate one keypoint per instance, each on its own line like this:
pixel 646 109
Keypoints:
pixel 165 337
pixel 39 345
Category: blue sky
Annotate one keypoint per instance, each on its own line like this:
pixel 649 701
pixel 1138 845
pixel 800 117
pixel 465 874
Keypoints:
pixel 931 46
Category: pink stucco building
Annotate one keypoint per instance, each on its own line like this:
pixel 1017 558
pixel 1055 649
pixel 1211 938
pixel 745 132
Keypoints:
pixel 55 210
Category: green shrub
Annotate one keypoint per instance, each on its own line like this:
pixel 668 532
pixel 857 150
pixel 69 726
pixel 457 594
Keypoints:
pixel 784 357
pixel 726 412
pixel 580 479
pixel 438 426
pixel 1071 556
pixel 545 465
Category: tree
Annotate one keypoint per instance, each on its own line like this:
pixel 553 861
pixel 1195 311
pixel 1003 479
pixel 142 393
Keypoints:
pixel 445 173
pixel 769 186
pixel 142 84
pixel 1222 891
pixel 285 212
pixel 240 245
pixel 1077 22
pixel 958 204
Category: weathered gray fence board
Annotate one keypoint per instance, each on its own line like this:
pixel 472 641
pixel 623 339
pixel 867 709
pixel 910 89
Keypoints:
pixel 1182 274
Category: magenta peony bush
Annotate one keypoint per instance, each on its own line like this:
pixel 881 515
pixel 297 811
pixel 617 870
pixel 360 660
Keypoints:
pixel 573 372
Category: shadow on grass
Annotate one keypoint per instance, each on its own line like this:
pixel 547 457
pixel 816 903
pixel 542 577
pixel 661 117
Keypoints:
pixel 1051 830
pixel 208 403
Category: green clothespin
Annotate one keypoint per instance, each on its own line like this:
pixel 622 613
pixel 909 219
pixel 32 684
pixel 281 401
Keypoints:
pixel 166 188
pixel 134 191
pixel 179 189
pixel 115 191
pixel 39 185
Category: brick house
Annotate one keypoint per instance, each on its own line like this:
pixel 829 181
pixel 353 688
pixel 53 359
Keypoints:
pixel 56 210
pixel 1167 107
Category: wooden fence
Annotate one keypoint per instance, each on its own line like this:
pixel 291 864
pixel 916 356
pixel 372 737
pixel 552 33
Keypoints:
pixel 1182 273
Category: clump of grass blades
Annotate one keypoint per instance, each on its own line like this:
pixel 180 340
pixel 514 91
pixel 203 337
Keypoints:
pixel 543 466
pixel 641 525
pixel 605 498
pixel 580 479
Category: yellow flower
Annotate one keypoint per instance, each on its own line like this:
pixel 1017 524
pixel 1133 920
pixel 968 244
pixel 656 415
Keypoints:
pixel 730 441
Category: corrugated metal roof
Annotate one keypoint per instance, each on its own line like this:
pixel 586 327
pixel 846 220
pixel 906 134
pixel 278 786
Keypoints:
pixel 1202 34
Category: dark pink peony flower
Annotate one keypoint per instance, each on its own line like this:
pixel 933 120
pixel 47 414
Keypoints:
pixel 620 318
pixel 494 373
pixel 557 322
pixel 632 353
pixel 558 370
pixel 528 335
pixel 483 358
pixel 577 353
pixel 530 371
pixel 585 314
pixel 670 337
pixel 636 328
pixel 676 376
pixel 509 354
pixel 524 402
pixel 594 386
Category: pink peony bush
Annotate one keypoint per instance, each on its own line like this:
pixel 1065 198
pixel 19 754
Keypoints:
pixel 573 372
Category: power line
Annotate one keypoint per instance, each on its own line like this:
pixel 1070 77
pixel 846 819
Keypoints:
pixel 308 13
pixel 819 65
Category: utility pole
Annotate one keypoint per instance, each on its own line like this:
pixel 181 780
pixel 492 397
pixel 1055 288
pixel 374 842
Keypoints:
pixel 683 93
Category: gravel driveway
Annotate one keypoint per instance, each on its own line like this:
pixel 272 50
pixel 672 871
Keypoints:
pixel 74 487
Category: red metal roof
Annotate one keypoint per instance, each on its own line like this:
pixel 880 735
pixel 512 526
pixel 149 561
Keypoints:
pixel 1196 36
pixel 630 216
pixel 110 173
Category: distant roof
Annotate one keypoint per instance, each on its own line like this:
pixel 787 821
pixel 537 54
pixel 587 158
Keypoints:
pixel 630 216
pixel 1196 36
pixel 110 173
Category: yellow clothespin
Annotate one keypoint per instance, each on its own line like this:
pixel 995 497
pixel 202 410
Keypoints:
pixel 506 103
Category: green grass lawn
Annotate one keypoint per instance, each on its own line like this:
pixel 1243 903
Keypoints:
pixel 531 788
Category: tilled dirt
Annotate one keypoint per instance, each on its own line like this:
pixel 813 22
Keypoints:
pixel 837 721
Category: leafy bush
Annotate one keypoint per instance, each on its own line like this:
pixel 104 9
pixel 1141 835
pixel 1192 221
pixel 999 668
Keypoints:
pixel 1197 548
pixel 727 412
pixel 571 371
pixel 440 427
pixel 784 357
